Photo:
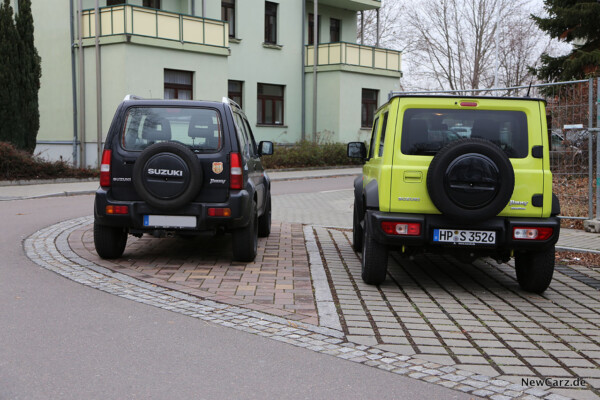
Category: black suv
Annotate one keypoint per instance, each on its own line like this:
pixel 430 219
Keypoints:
pixel 173 167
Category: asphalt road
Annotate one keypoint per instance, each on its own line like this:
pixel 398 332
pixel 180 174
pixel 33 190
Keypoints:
pixel 61 340
pixel 298 186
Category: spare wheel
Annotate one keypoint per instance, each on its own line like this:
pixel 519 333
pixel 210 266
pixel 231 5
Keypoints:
pixel 167 175
pixel 470 180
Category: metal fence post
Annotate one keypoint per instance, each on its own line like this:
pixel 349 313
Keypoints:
pixel 597 147
pixel 590 147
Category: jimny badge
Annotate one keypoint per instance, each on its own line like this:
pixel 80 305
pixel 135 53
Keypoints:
pixel 217 167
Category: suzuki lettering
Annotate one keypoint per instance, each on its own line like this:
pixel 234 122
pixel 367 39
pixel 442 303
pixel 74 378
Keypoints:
pixel 165 172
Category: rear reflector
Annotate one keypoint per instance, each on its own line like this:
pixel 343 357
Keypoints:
pixel 236 180
pixel 105 169
pixel 530 233
pixel 401 228
pixel 468 104
pixel 117 210
pixel 219 212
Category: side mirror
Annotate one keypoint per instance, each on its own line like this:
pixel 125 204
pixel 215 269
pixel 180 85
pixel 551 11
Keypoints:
pixel 357 150
pixel 265 148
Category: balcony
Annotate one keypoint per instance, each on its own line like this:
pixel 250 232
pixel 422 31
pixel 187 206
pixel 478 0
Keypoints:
pixel 354 57
pixel 125 22
pixel 354 5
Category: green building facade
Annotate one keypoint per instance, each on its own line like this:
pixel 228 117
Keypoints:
pixel 257 52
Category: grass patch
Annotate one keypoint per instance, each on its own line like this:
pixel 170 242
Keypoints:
pixel 19 165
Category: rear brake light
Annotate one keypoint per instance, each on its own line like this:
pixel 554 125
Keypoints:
pixel 468 104
pixel 219 212
pixel 236 180
pixel 529 233
pixel 117 209
pixel 105 169
pixel 401 228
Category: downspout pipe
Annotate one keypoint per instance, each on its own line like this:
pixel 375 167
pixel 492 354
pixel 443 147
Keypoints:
pixel 303 79
pixel 73 81
pixel 315 60
pixel 98 87
pixel 82 155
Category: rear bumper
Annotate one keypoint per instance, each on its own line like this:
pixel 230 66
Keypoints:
pixel 503 226
pixel 239 202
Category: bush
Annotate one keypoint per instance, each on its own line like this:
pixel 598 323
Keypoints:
pixel 306 154
pixel 18 164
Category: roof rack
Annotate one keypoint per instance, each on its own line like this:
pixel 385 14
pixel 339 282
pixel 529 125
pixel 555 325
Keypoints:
pixel 132 97
pixel 231 103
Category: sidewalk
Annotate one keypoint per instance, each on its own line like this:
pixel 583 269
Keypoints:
pixel 570 239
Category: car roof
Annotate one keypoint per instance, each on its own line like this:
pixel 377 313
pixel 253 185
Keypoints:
pixel 453 96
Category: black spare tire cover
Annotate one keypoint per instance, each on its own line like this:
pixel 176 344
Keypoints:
pixel 470 180
pixel 167 175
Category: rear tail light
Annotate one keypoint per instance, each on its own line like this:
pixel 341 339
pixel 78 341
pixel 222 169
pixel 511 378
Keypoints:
pixel 105 169
pixel 219 212
pixel 468 104
pixel 236 180
pixel 529 233
pixel 401 228
pixel 117 210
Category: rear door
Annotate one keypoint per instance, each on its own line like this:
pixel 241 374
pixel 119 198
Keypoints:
pixel 427 124
pixel 199 128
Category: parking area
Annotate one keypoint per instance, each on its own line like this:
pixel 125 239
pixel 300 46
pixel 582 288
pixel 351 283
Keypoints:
pixel 464 326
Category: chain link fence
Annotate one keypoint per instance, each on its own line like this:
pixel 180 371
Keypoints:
pixel 572 109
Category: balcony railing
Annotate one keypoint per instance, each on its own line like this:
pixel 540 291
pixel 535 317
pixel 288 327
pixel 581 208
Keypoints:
pixel 342 53
pixel 149 22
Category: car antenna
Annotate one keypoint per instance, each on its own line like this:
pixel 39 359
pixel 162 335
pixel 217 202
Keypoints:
pixel 529 88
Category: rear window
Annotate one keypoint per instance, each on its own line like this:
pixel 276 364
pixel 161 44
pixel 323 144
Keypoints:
pixel 198 128
pixel 426 131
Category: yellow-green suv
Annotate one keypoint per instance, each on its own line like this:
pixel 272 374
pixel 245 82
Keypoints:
pixel 465 176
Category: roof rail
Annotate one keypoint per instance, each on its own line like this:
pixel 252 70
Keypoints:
pixel 132 97
pixel 231 103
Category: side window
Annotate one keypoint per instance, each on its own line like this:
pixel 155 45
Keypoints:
pixel 373 136
pixel 245 143
pixel 382 140
pixel 250 135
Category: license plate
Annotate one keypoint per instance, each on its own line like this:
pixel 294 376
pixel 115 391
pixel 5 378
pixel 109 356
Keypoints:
pixel 170 221
pixel 464 237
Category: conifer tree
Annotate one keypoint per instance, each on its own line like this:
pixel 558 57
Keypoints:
pixel 576 22
pixel 29 76
pixel 9 70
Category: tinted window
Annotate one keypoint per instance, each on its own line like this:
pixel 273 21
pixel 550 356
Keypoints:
pixel 198 128
pixel 426 131
pixel 382 139
pixel 373 136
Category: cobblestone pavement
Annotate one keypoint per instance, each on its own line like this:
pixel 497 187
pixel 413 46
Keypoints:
pixel 277 282
pixel 471 316
pixel 467 327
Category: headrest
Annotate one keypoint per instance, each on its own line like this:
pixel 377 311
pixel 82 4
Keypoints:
pixel 156 129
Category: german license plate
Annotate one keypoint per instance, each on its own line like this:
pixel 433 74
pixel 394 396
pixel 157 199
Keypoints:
pixel 464 237
pixel 170 221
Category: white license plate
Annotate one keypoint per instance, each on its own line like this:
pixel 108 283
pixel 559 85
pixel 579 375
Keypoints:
pixel 170 221
pixel 464 236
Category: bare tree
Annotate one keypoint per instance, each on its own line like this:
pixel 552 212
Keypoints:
pixel 460 44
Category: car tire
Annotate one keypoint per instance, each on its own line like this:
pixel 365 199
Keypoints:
pixel 374 258
pixel 109 241
pixel 244 240
pixel 470 179
pixel 162 195
pixel 535 269
pixel 357 230
pixel 264 221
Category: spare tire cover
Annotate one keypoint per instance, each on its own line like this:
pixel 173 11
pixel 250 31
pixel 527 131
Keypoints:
pixel 167 175
pixel 470 180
